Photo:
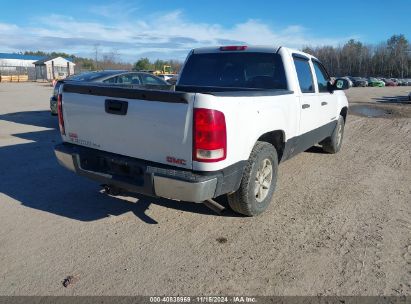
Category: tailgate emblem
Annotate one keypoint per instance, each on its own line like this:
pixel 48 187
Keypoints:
pixel 173 160
pixel 73 135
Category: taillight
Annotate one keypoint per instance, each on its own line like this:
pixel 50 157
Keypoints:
pixel 209 136
pixel 233 48
pixel 60 114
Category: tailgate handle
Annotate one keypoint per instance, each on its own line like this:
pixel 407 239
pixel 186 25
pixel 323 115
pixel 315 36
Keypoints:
pixel 117 107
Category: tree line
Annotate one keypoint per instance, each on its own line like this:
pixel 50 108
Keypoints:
pixel 145 64
pixel 110 61
pixel 85 63
pixel 391 58
pixel 105 62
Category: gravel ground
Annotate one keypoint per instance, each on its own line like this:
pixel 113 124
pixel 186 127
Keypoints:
pixel 338 224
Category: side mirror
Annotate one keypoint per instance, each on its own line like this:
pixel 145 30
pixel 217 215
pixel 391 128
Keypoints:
pixel 339 84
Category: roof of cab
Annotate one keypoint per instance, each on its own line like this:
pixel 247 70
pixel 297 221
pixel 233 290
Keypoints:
pixel 216 49
pixel 251 49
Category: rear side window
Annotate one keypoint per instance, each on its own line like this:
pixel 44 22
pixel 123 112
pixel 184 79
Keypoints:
pixel 124 79
pixel 322 77
pixel 90 76
pixel 111 80
pixel 234 70
pixel 305 77
pixel 128 79
pixel 148 79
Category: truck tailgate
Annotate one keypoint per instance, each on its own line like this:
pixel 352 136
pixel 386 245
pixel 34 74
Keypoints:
pixel 151 125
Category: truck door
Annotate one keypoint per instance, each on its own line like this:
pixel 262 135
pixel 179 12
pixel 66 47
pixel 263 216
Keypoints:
pixel 328 101
pixel 309 102
pixel 310 117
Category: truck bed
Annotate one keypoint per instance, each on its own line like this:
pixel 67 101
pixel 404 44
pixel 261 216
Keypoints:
pixel 145 124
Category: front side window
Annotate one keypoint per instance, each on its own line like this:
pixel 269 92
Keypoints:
pixel 322 78
pixel 305 77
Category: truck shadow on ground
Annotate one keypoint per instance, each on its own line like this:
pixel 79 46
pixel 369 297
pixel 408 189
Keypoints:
pixel 315 150
pixel 393 99
pixel 30 174
pixel 33 118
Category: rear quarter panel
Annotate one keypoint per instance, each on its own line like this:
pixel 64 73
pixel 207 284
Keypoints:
pixel 247 118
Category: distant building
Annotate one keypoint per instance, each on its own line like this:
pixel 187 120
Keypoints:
pixel 35 67
pixel 17 60
pixel 17 67
pixel 53 68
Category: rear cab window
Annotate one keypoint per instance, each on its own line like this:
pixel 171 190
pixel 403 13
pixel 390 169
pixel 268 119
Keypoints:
pixel 247 70
pixel 304 74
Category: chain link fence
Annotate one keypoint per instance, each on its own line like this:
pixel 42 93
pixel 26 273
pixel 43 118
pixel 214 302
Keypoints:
pixel 38 73
pixel 17 74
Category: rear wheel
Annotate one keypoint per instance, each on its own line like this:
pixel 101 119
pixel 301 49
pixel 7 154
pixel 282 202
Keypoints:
pixel 258 181
pixel 333 143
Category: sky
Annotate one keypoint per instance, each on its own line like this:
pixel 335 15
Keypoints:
pixel 168 29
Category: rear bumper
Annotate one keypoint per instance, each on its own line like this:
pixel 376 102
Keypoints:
pixel 148 178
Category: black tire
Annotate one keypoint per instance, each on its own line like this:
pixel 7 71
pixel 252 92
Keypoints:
pixel 245 200
pixel 333 144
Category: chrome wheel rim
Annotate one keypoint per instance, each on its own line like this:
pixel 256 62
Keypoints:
pixel 263 180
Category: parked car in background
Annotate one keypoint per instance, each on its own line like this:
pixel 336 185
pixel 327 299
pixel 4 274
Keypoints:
pixel 348 79
pixel 134 78
pixel 115 77
pixel 374 82
pixel 389 83
pixel 359 81
pixel 404 82
pixel 396 81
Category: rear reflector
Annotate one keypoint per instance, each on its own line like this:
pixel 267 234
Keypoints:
pixel 233 48
pixel 209 136
pixel 60 114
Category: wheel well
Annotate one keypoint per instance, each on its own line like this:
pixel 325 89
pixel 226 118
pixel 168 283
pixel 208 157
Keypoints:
pixel 344 112
pixel 276 138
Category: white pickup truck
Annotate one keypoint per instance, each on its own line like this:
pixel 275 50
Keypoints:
pixel 236 112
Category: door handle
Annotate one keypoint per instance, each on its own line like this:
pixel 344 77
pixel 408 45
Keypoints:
pixel 305 106
pixel 117 107
pixel 324 103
